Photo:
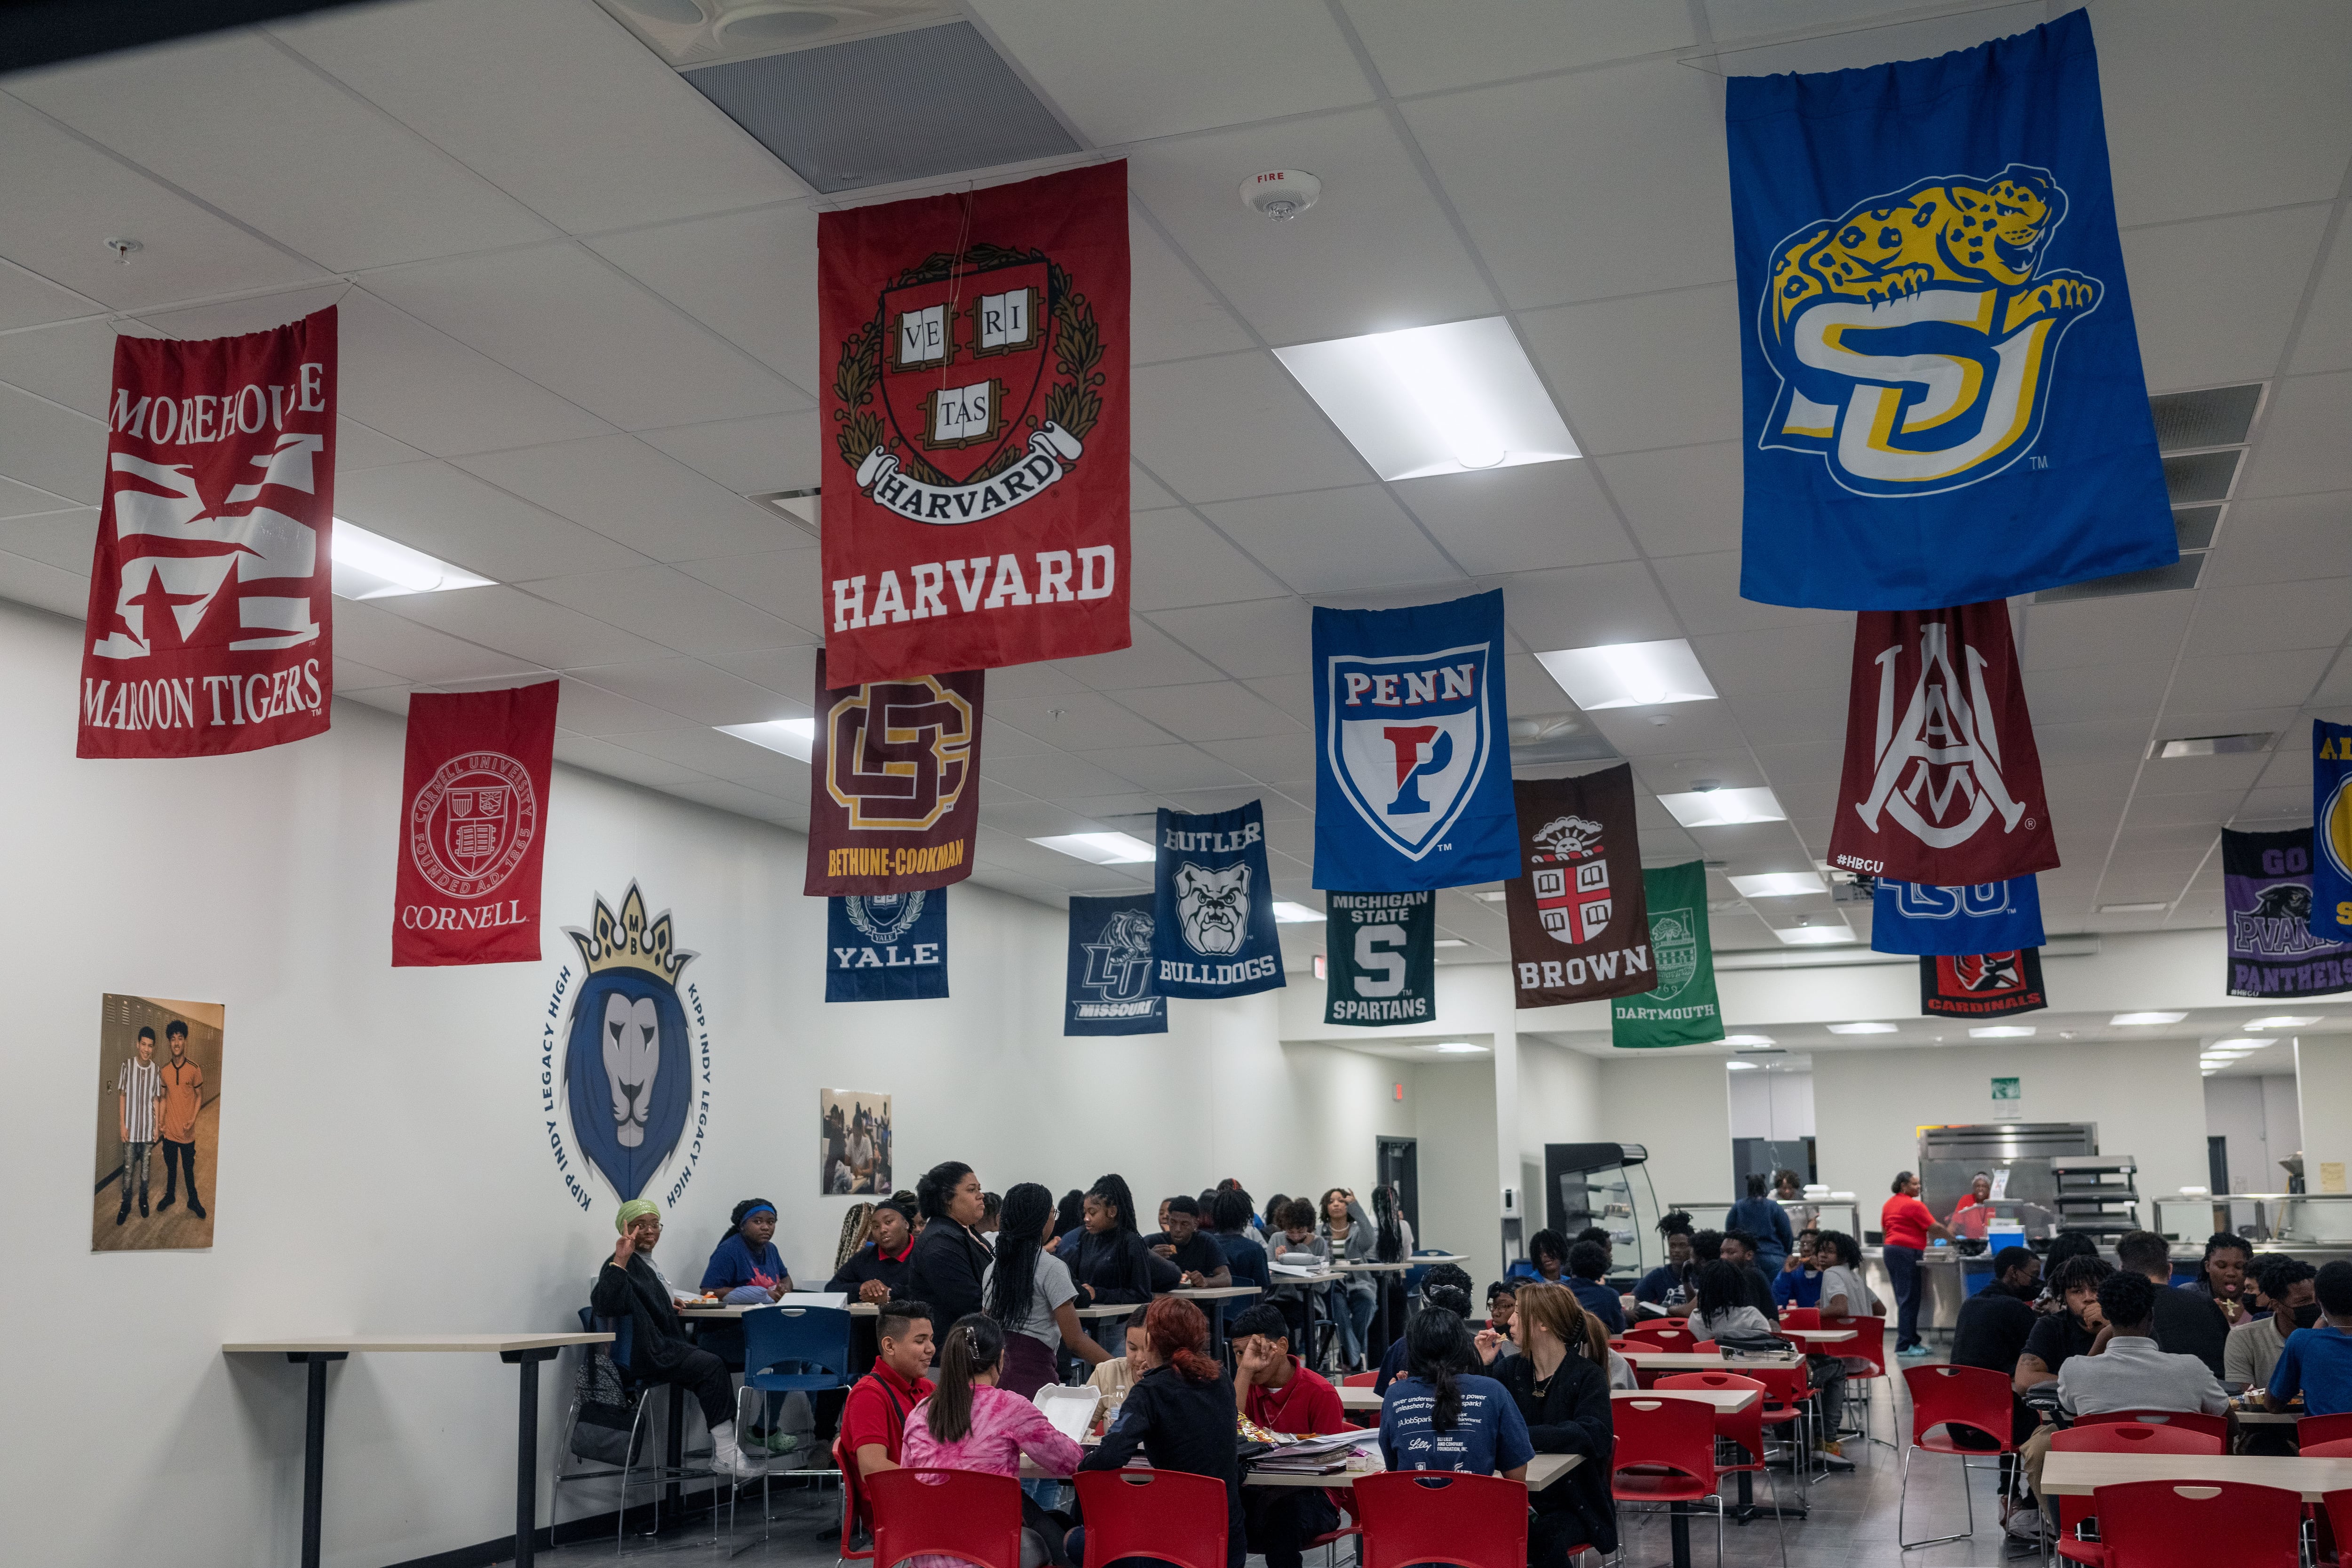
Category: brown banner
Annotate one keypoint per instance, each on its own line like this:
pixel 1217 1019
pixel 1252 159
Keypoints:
pixel 1580 919
pixel 894 784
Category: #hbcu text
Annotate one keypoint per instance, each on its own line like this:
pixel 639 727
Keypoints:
pixel 171 704
pixel 976 586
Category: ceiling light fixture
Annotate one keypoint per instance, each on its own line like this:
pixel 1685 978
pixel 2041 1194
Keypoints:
pixel 1457 1048
pixel 2241 1047
pixel 1748 1040
pixel 1101 848
pixel 370 566
pixel 2152 906
pixel 1780 884
pixel 1723 807
pixel 1451 399
pixel 1291 914
pixel 1814 935
pixel 1862 1028
pixel 2213 745
pixel 2128 1018
pixel 1450 941
pixel 2001 1032
pixel 1739 1067
pixel 796 738
pixel 2286 1021
pixel 1628 675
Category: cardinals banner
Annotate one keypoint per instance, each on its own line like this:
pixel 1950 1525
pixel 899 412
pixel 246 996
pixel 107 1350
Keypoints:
pixel 2266 882
pixel 1683 1008
pixel 1942 783
pixel 1911 916
pixel 976 427
pixel 1982 985
pixel 1110 988
pixel 1383 949
pixel 1212 919
pixel 211 591
pixel 894 784
pixel 887 947
pixel 1579 921
pixel 473 827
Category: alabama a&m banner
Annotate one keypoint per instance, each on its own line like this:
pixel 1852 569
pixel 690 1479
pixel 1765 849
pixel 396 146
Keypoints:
pixel 1982 985
pixel 894 784
pixel 1579 921
pixel 976 428
pixel 473 826
pixel 211 627
pixel 2266 879
pixel 1942 783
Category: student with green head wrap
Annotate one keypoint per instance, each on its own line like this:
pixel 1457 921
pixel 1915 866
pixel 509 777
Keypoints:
pixel 628 1286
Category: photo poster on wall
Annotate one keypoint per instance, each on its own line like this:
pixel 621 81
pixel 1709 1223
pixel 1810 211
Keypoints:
pixel 854 1139
pixel 159 1088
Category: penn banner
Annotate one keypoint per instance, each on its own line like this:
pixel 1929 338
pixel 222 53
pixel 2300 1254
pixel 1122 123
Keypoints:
pixel 975 434
pixel 894 784
pixel 1212 912
pixel 1412 772
pixel 1578 916
pixel 1990 917
pixel 1982 985
pixel 887 947
pixel 1942 782
pixel 473 826
pixel 2331 831
pixel 2266 882
pixel 211 621
pixel 1110 987
pixel 1683 1008
pixel 1382 951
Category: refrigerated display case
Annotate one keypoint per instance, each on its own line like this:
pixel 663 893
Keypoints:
pixel 1605 1184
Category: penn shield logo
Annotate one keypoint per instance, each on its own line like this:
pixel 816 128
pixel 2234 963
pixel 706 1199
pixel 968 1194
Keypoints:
pixel 1937 768
pixel 1408 740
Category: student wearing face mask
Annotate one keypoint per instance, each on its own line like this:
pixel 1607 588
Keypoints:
pixel 2284 1288
pixel 2317 1361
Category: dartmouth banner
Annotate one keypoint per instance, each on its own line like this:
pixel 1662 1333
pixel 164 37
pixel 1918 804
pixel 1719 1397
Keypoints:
pixel 1682 1010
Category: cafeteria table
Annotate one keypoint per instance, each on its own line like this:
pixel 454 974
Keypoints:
pixel 1542 1470
pixel 1217 1317
pixel 2067 1474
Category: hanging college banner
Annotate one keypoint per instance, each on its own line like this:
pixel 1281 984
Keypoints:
pixel 2331 831
pixel 1579 921
pixel 1383 964
pixel 887 947
pixel 1110 988
pixel 1942 782
pixel 211 591
pixel 1990 917
pixel 1982 985
pixel 1212 914
pixel 1682 1009
pixel 1413 772
pixel 894 784
pixel 473 826
pixel 976 411
pixel 2266 881
pixel 1942 381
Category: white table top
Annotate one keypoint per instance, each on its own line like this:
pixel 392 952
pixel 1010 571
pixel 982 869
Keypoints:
pixel 2077 1474
pixel 1106 1310
pixel 1420 1261
pixel 1726 1401
pixel 351 1345
pixel 1696 1361
pixel 1820 1336
pixel 1212 1293
pixel 1542 1470
pixel 855 1308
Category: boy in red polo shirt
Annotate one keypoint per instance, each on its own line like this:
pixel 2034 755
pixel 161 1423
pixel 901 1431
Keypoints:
pixel 874 1418
pixel 1275 1389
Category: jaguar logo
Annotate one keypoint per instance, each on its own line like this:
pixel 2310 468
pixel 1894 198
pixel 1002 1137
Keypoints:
pixel 1213 908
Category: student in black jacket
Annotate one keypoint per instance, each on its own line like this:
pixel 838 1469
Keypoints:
pixel 1181 1415
pixel 878 1270
pixel 628 1286
pixel 2187 1322
pixel 1111 1263
pixel 948 1259
pixel 1561 1383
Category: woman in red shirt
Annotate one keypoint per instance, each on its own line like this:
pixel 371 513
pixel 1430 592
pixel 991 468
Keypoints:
pixel 1906 1224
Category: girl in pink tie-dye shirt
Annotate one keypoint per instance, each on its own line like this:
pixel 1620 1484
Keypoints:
pixel 969 1424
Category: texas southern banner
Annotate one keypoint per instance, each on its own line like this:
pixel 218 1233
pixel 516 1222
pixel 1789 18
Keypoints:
pixel 1413 770
pixel 1212 914
pixel 1990 917
pixel 211 621
pixel 894 784
pixel 887 947
pixel 1579 921
pixel 473 826
pixel 1682 1009
pixel 1982 985
pixel 1383 958
pixel 1941 375
pixel 2266 883
pixel 1110 989
pixel 976 424
pixel 2331 831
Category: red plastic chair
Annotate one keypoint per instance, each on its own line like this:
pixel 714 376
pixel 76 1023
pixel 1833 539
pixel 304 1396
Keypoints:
pixel 1787 1396
pixel 854 1511
pixel 2341 1448
pixel 2310 1429
pixel 2112 1437
pixel 1801 1317
pixel 1666 1453
pixel 2184 1524
pixel 1359 1380
pixel 950 1513
pixel 1971 1396
pixel 1438 1516
pixel 1167 1514
pixel 1868 1344
pixel 2186 1420
pixel 1744 1427
pixel 2335 1511
pixel 1662 1335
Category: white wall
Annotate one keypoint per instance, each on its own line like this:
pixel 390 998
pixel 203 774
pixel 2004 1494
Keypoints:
pixel 1774 1105
pixel 2323 1070
pixel 2241 1109
pixel 1679 1108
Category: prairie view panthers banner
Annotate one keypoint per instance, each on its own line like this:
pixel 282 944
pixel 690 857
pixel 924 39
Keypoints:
pixel 2266 882
pixel 1990 917
pixel 2331 831
pixel 1982 985
pixel 1413 771
pixel 1110 988
pixel 1942 381
pixel 1579 921
pixel 1212 914
pixel 887 947
pixel 894 784
pixel 975 353
pixel 473 826
pixel 1682 1009
pixel 1384 958
pixel 211 591
pixel 1942 782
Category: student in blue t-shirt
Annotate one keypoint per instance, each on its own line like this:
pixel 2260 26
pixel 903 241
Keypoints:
pixel 1243 1257
pixel 1799 1282
pixel 2317 1362
pixel 1587 1262
pixel 1443 1416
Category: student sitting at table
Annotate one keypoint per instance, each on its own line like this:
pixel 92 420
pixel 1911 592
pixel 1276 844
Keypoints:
pixel 1587 1263
pixel 1767 1222
pixel 1275 1389
pixel 1442 1285
pixel 1502 1306
pixel 1990 1332
pixel 1029 1294
pixel 1112 1264
pixel 874 1419
pixel 2128 1370
pixel 878 1270
pixel 1547 1258
pixel 2317 1362
pixel 970 1423
pixel 1559 1380
pixel 1667 1289
pixel 1443 1414
pixel 1180 1414
pixel 1600 1239
pixel 1295 1243
pixel 745 1267
pixel 1199 1261
pixel 1348 1231
pixel 2221 1277
pixel 2187 1324
pixel 627 1286
pixel 1244 1258
pixel 2289 1299
pixel 1738 1248
pixel 1114 1377
pixel 1799 1283
pixel 1727 1314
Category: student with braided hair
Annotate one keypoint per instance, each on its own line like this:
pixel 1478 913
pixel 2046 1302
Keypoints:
pixel 970 1423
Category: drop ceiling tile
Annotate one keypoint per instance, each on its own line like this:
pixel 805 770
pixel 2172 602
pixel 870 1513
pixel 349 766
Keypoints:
pixel 2282 539
pixel 351 675
pixel 1665 731
pixel 1682 500
pixel 1055 776
pixel 375 637
pixel 2261 804
pixel 666 605
pixel 422 387
pixel 2227 719
pixel 2135 627
pixel 1152 659
pixel 359 446
pixel 2310 614
pixel 51 448
pixel 1033 819
pixel 1809 716
pixel 999 740
pixel 1329 542
pixel 2194 775
pixel 2226 682
pixel 1426 48
pixel 1294 694
pixel 725 757
pixel 750 277
pixel 1705 590
pixel 2096 691
pixel 447 512
pixel 43 586
pixel 1214 710
pixel 1657 370
pixel 1173 314
pixel 620 763
pixel 1034 680
pixel 743 800
pixel 698 693
pixel 1584 607
pixel 1087 720
pixel 786 584
pixel 588 710
pixel 749 456
pixel 515 623
pixel 28 300
pixel 2092 740
pixel 1145 493
pixel 1170 768
pixel 1785 658
pixel 1525 518
pixel 643 498
pixel 71 363
pixel 65 540
pixel 2175 838
pixel 2301 447
pixel 2191 334
pixel 1235 424
pixel 1180 560
pixel 2205 808
pixel 2326 340
pixel 1270 759
pixel 1261 638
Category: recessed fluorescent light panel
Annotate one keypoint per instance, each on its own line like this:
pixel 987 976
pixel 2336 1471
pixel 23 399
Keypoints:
pixel 2238 1047
pixel 1457 1048
pixel 2001 1032
pixel 2156 907
pixel 1723 807
pixel 1862 1028
pixel 1814 936
pixel 1453 399
pixel 2127 1018
pixel 2286 1021
pixel 2212 745
pixel 1101 848
pixel 1449 941
pixel 1291 914
pixel 1780 884
pixel 370 566
pixel 1628 675
pixel 1747 1040
pixel 793 737
pixel 1740 1066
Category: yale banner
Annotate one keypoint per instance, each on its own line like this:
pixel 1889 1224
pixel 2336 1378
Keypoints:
pixel 1682 1010
pixel 887 947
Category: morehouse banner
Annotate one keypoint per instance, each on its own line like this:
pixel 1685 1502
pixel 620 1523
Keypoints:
pixel 1382 953
pixel 1110 986
pixel 894 784
pixel 211 591
pixel 1579 916
pixel 1942 780
pixel 473 826
pixel 1212 919
pixel 2266 885
pixel 1981 985
pixel 976 425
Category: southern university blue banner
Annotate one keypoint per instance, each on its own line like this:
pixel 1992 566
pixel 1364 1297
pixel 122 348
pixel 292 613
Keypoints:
pixel 1413 770
pixel 1213 915
pixel 887 947
pixel 1110 988
pixel 1991 917
pixel 1944 401
pixel 2331 831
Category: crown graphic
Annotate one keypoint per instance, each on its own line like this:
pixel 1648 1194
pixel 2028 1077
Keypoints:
pixel 626 942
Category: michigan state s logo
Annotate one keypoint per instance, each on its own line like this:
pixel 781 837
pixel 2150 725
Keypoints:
pixel 1917 336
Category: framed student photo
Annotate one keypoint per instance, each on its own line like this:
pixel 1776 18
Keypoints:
pixel 158 1143
pixel 853 1143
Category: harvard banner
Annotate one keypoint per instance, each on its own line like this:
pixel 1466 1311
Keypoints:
pixel 887 947
pixel 975 443
pixel 211 591
pixel 2266 884
pixel 1942 381
pixel 1213 915
pixel 473 826
pixel 894 784
pixel 1580 922
pixel 1682 1009
pixel 1942 782
pixel 1982 985
pixel 1912 916
pixel 1412 772
pixel 1382 950
pixel 1110 988
pixel 2331 831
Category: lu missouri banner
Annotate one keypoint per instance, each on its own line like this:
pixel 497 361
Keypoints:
pixel 1682 1009
pixel 1109 986
pixel 473 826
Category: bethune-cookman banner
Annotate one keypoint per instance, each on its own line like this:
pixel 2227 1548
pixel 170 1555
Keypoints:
pixel 1682 1009
pixel 1580 922
pixel 976 425
pixel 211 621
pixel 473 826
pixel 1982 985
pixel 2267 886
pixel 1383 949
pixel 894 784
pixel 1110 987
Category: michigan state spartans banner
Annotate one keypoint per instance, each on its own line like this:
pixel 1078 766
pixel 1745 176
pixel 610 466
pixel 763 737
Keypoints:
pixel 1682 1010
pixel 1382 951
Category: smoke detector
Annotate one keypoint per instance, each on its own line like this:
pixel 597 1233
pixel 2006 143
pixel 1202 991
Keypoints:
pixel 1281 194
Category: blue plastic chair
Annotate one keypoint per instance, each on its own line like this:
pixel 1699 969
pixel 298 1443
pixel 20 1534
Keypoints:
pixel 786 1349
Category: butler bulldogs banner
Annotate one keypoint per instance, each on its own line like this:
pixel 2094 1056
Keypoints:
pixel 1942 782
pixel 1213 915
pixel 1579 921
pixel 887 947
pixel 976 397
pixel 1682 1008
pixel 211 591
pixel 473 826
pixel 2266 882
pixel 894 784
pixel 1912 916
pixel 2331 831
pixel 1383 964
pixel 1110 988
pixel 1982 985
pixel 1942 378
pixel 1413 772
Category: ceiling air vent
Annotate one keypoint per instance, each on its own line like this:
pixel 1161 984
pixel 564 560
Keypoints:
pixel 2211 745
pixel 2201 476
pixel 2195 524
pixel 2217 417
pixel 705 32
pixel 798 507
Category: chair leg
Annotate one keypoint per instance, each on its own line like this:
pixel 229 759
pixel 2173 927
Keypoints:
pixel 1779 1523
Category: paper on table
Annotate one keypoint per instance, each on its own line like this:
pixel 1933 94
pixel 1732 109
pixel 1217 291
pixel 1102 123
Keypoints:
pixel 1070 1409
pixel 1292 1269
pixel 815 1299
